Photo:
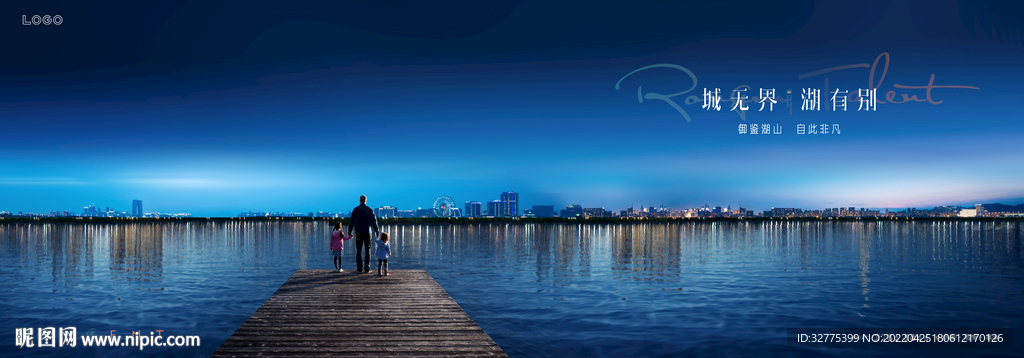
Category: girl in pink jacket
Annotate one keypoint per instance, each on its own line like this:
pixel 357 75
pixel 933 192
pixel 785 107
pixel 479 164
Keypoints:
pixel 338 245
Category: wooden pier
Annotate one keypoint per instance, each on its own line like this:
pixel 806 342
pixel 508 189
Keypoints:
pixel 327 313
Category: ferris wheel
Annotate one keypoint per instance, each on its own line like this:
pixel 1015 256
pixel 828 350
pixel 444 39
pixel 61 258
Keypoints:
pixel 443 206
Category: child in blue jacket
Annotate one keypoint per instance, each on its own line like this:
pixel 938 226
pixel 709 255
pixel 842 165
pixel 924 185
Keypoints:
pixel 383 252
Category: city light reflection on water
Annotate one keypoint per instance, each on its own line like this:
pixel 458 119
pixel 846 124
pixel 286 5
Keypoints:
pixel 636 289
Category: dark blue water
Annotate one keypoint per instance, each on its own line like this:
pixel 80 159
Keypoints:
pixel 555 290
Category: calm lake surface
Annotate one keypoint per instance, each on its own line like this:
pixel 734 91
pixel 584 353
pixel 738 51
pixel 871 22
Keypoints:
pixel 539 290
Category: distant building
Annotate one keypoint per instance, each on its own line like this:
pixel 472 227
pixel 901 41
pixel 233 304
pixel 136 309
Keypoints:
pixel 424 213
pixel 978 211
pixel 629 213
pixel 495 208
pixel 137 208
pixel 783 212
pixel 572 211
pixel 596 213
pixel 387 212
pixel 473 209
pixel 543 211
pixel 511 200
pixel 90 210
pixel 968 213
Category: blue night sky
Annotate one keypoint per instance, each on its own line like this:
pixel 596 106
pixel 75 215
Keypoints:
pixel 218 107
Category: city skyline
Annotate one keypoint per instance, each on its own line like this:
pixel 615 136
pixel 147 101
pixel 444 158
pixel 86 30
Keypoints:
pixel 473 209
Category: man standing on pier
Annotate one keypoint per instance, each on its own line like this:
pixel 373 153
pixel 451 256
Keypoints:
pixel 362 220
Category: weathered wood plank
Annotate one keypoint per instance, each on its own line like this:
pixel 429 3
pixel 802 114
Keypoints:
pixel 323 312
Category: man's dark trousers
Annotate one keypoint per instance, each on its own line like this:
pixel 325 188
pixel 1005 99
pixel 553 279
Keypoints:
pixel 363 246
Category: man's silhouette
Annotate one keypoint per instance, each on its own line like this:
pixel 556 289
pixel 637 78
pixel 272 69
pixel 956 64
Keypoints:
pixel 362 220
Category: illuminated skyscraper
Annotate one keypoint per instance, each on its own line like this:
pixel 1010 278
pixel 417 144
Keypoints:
pixel 596 213
pixel 495 208
pixel 511 200
pixel 137 208
pixel 387 212
pixel 473 209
